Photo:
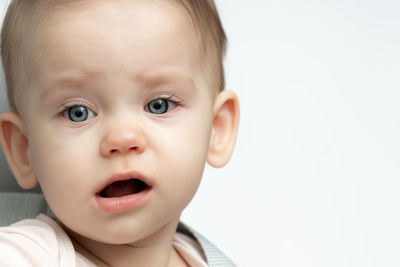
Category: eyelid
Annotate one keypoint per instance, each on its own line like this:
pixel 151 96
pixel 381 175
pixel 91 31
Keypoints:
pixel 171 98
pixel 75 103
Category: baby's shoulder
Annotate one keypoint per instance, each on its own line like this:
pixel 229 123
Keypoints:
pixel 35 242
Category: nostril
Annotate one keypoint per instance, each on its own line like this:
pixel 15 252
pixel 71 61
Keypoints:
pixel 133 148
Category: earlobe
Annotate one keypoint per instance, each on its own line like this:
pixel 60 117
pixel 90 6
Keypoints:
pixel 224 129
pixel 15 147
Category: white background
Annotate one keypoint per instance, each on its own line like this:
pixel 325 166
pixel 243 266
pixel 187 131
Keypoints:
pixel 314 180
pixel 315 176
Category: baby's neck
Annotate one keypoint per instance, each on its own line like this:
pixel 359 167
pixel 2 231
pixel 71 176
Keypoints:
pixel 157 250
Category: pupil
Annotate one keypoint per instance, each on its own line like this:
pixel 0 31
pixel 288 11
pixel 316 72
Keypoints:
pixel 157 105
pixel 78 113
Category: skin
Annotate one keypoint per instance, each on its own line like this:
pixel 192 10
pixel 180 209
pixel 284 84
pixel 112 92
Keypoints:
pixel 113 58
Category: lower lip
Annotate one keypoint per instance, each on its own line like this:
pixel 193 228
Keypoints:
pixel 116 204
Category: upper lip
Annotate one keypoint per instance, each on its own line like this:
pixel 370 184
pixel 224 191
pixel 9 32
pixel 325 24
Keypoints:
pixel 124 176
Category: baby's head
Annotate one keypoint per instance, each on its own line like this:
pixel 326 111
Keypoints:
pixel 117 106
pixel 25 20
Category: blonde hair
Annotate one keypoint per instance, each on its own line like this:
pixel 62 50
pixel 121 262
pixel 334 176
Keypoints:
pixel 23 17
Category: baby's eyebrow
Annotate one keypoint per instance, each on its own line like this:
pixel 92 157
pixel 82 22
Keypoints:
pixel 76 78
pixel 148 79
pixel 165 76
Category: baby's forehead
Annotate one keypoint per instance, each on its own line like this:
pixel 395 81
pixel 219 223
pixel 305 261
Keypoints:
pixel 157 10
pixel 113 27
pixel 173 12
pixel 141 21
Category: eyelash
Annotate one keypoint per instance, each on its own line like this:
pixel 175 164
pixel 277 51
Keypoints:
pixel 171 98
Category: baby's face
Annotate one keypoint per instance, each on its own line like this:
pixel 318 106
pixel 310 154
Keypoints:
pixel 118 94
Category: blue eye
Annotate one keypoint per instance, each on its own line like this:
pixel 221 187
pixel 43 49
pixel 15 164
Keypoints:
pixel 78 113
pixel 160 106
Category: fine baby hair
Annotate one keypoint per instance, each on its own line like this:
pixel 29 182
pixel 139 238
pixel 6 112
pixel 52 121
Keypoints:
pixel 116 106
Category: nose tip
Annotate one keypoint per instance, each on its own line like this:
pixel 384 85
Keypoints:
pixel 123 141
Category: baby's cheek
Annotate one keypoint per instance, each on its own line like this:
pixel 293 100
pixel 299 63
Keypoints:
pixel 54 164
pixel 184 170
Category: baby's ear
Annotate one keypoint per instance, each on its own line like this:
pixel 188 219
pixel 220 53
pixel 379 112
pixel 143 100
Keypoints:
pixel 15 147
pixel 224 129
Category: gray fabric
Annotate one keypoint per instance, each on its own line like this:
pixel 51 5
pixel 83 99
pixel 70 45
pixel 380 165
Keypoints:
pixel 213 255
pixel 18 206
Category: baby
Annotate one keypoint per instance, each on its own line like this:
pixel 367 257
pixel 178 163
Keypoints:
pixel 116 106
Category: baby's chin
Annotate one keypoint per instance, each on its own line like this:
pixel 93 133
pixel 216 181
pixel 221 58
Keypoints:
pixel 114 238
pixel 126 232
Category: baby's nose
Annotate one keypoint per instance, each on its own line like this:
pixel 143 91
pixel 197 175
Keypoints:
pixel 122 140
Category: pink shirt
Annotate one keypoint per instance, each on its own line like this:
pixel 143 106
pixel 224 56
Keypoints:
pixel 42 242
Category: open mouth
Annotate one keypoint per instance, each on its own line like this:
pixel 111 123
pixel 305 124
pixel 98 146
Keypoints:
pixel 123 188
